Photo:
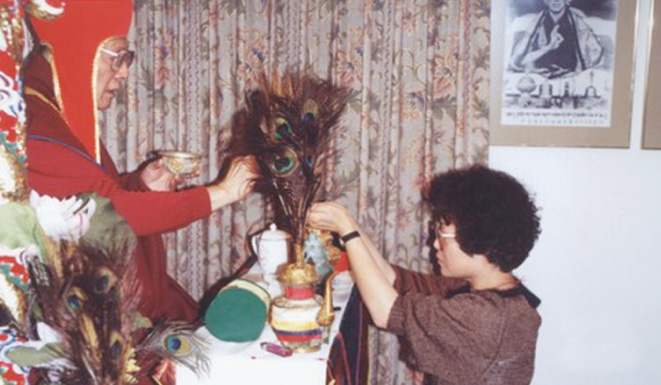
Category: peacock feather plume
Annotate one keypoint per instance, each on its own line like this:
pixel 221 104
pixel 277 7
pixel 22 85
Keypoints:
pixel 288 125
pixel 177 342
pixel 90 305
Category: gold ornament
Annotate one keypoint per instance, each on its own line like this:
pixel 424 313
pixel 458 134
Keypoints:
pixel 299 272
pixel 11 25
pixel 326 315
pixel 40 10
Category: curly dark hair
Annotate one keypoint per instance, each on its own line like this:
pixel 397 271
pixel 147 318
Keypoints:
pixel 493 213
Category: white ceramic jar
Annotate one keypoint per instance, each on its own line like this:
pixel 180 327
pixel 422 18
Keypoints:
pixel 272 249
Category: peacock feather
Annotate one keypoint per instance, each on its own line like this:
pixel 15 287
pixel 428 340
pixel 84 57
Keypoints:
pixel 176 342
pixel 288 125
pixel 90 306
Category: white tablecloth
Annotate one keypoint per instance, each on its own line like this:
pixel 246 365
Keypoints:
pixel 247 363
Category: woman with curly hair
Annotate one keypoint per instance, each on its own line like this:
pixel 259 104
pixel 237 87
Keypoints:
pixel 476 323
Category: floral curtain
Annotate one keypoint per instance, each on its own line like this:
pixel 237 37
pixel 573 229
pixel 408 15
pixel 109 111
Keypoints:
pixel 418 70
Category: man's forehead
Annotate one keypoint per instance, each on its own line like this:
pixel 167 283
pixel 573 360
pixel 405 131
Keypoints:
pixel 116 43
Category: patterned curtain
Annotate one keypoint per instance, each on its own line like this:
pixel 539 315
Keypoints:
pixel 419 74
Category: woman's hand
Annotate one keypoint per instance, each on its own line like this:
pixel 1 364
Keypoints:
pixel 374 283
pixel 157 178
pixel 331 216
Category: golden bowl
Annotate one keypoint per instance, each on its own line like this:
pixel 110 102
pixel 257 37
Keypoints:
pixel 181 163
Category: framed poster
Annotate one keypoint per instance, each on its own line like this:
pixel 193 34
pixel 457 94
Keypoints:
pixel 562 72
pixel 652 122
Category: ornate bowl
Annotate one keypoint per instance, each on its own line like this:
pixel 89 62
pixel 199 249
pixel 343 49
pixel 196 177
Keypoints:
pixel 184 164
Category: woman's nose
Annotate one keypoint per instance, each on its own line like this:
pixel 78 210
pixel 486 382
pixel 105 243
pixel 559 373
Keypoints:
pixel 437 244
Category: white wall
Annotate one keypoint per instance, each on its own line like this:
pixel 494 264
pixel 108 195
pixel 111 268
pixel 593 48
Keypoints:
pixel 597 264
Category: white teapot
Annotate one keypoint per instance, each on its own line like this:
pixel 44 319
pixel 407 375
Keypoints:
pixel 272 249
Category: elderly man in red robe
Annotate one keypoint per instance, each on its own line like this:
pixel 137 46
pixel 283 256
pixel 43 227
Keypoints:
pixel 79 65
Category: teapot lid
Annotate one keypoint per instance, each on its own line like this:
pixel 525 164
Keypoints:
pixel 274 234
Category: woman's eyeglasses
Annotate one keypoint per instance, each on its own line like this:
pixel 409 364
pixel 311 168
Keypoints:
pixel 436 228
pixel 119 58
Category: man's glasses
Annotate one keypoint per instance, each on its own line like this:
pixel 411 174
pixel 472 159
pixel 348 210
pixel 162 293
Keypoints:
pixel 119 58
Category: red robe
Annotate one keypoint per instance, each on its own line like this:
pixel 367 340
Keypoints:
pixel 60 167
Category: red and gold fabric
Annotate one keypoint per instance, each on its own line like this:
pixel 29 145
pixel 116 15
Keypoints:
pixel 11 373
pixel 12 108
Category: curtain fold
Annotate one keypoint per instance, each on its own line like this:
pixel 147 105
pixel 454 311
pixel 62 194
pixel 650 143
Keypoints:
pixel 418 71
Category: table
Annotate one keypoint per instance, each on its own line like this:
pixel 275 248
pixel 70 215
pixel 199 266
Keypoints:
pixel 246 363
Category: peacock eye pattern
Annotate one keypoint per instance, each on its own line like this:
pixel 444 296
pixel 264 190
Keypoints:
pixel 104 281
pixel 174 344
pixel 310 111
pixel 116 346
pixel 282 129
pixel 308 118
pixel 284 164
pixel 75 299
pixel 177 344
pixel 74 302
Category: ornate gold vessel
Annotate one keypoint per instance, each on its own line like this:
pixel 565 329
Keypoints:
pixel 293 315
pixel 300 318
pixel 298 278
pixel 181 163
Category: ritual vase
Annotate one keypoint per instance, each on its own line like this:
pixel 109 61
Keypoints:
pixel 293 315
pixel 294 322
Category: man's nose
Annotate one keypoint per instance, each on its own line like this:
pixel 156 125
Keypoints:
pixel 123 72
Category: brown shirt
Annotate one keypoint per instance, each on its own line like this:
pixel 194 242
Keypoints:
pixel 460 337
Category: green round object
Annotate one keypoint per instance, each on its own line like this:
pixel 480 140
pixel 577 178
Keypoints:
pixel 236 315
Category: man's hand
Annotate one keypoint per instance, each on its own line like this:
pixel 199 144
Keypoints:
pixel 157 178
pixel 556 38
pixel 239 181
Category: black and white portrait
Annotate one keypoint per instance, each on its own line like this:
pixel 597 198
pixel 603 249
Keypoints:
pixel 559 62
